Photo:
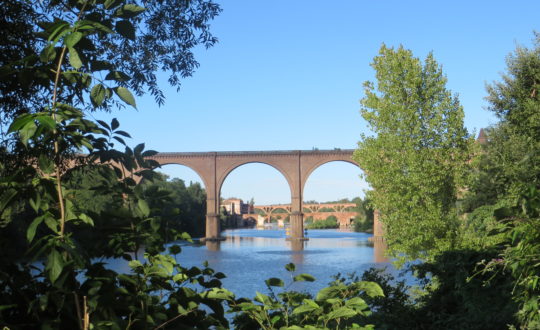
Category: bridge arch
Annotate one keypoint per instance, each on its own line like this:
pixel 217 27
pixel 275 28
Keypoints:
pixel 227 171
pixel 313 167
pixel 194 169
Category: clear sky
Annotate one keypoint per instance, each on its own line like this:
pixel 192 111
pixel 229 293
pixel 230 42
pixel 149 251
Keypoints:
pixel 288 74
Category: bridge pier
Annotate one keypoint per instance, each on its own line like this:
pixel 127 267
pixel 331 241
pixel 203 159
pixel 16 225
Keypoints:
pixel 297 227
pixel 213 230
pixel 378 228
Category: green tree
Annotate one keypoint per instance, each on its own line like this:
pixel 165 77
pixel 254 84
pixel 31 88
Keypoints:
pixel 83 56
pixel 512 156
pixel 181 208
pixel 416 160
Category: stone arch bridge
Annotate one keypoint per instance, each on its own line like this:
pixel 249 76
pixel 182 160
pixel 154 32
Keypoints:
pixel 342 211
pixel 214 167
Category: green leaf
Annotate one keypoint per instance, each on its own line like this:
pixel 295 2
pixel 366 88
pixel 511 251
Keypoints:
pixel 372 289
pixel 124 134
pixel 143 207
pixel 97 96
pixel 46 165
pixel 290 267
pixel 51 222
pixel 134 264
pixel 117 76
pixel 129 10
pixel 20 122
pixel 58 30
pixel 138 148
pixel 126 29
pixel 274 282
pixel 186 237
pixel 218 293
pixel 180 277
pixel 262 298
pixel 104 124
pixel 304 277
pixel 87 25
pixel 326 293
pixel 119 139
pixel 86 219
pixel 35 204
pixel 304 308
pixel 175 249
pixel 47 121
pixel 7 196
pixel 74 58
pixel 48 54
pixel 55 264
pixel 27 132
pixel 356 303
pixel 126 96
pixel 114 124
pixel 72 39
pixel 342 312
pixel 311 303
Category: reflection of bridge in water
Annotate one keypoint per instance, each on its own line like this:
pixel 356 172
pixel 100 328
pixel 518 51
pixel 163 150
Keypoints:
pixel 298 246
pixel 295 166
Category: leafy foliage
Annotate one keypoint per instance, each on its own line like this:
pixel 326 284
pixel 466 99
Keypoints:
pixel 329 222
pixel 57 282
pixel 416 161
pixel 337 306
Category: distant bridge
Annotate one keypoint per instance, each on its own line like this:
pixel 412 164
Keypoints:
pixel 214 167
pixel 320 211
pixel 307 207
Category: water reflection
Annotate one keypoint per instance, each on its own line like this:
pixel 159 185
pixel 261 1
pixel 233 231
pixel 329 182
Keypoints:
pixel 213 245
pixel 379 251
pixel 249 256
pixel 297 248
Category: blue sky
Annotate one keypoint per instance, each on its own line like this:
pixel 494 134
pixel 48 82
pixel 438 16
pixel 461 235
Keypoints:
pixel 287 75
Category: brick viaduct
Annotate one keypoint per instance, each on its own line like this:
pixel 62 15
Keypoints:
pixel 342 211
pixel 295 166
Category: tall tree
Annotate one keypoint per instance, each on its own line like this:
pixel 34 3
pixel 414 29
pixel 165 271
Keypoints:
pixel 81 56
pixel 416 159
pixel 516 101
pixel 513 156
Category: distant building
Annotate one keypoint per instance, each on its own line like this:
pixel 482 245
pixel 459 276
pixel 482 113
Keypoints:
pixel 239 214
pixel 482 137
pixel 235 206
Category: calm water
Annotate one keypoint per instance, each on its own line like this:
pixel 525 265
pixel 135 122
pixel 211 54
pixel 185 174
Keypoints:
pixel 249 256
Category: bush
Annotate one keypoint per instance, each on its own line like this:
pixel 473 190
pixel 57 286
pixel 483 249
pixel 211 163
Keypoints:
pixel 330 222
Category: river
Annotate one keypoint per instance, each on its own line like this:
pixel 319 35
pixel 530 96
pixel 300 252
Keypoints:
pixel 249 256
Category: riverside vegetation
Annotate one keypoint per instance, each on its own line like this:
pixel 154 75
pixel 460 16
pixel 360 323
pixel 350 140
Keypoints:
pixel 469 212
